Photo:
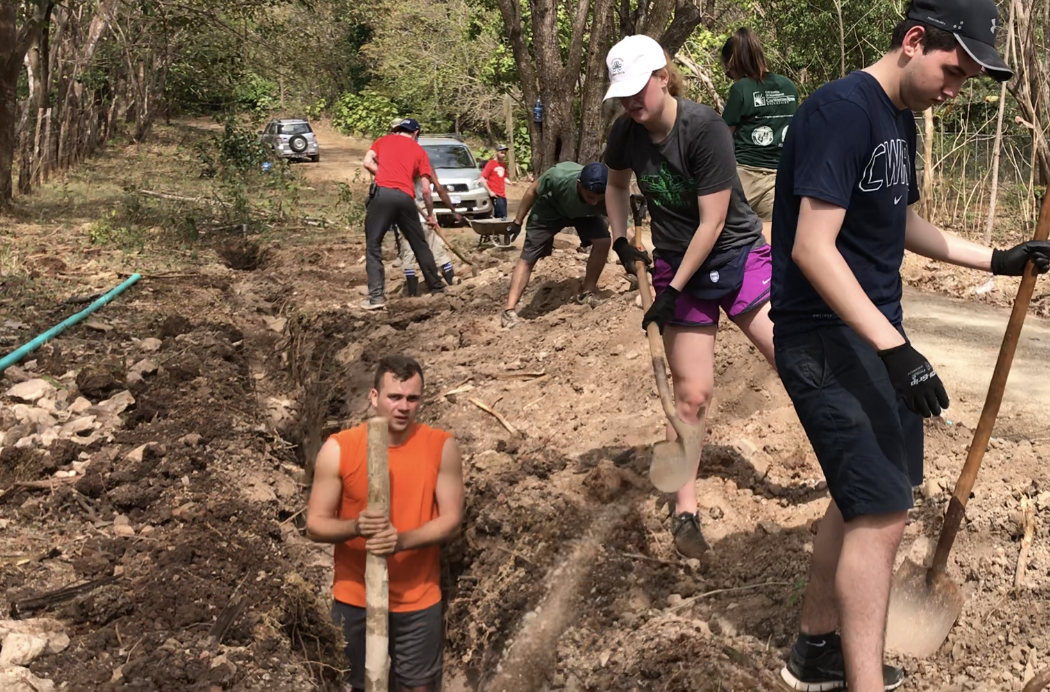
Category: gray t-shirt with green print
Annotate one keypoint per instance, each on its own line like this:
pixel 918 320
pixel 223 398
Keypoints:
pixel 695 159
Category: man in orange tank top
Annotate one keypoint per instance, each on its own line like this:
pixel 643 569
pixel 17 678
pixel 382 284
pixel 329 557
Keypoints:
pixel 426 508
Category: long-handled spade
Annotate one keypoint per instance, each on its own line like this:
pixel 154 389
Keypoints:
pixel 674 462
pixel 924 603
pixel 377 585
pixel 457 253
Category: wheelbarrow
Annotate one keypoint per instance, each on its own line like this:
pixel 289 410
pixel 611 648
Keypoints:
pixel 493 232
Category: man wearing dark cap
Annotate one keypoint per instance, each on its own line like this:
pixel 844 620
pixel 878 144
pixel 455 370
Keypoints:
pixel 493 177
pixel 396 161
pixel 842 219
pixel 567 194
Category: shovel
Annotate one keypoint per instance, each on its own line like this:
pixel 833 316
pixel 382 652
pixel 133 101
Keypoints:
pixel 924 603
pixel 377 585
pixel 457 253
pixel 674 462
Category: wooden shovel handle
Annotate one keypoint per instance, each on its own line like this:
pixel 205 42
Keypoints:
pixel 957 506
pixel 441 234
pixel 377 585
pixel 656 340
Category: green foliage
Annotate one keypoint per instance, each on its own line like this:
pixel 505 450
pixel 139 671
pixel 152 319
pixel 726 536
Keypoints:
pixel 522 148
pixel 257 94
pixel 365 114
pixel 109 231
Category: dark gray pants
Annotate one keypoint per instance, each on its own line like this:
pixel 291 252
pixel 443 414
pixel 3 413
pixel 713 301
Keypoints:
pixel 387 208
pixel 416 646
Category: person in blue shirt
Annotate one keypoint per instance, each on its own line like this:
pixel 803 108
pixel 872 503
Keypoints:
pixel 842 219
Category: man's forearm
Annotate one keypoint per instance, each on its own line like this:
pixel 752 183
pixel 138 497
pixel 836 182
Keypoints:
pixel 827 271
pixel 331 530
pixel 617 207
pixel 428 200
pixel 527 200
pixel 923 238
pixel 431 533
pixel 443 195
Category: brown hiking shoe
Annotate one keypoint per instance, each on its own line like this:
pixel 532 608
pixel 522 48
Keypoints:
pixel 688 540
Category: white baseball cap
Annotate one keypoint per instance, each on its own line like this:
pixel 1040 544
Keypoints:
pixel 631 62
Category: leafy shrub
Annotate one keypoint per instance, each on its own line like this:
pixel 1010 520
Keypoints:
pixel 364 114
pixel 257 94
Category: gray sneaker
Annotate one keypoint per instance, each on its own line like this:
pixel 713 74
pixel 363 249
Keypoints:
pixel 373 303
pixel 688 540
pixel 508 319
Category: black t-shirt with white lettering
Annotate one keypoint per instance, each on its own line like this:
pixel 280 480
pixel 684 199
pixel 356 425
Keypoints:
pixel 848 145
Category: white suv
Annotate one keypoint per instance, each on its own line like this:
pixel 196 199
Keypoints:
pixel 291 138
pixel 453 164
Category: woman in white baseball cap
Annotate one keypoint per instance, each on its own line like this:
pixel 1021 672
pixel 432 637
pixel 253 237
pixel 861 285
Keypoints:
pixel 709 251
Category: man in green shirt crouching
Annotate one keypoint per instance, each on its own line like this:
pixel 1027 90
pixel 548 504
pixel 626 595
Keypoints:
pixel 567 194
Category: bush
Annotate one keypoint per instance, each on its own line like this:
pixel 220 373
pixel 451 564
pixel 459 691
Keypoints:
pixel 366 114
pixel 256 94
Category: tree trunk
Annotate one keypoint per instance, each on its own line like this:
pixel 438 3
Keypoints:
pixel 592 116
pixel 996 148
pixel 927 165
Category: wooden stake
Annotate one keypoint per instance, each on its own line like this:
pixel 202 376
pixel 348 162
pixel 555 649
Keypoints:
pixel 377 587
pixel 508 116
pixel 501 419
pixel 1028 512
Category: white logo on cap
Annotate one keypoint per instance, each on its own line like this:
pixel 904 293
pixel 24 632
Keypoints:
pixel 617 67
pixel 714 277
pixel 995 24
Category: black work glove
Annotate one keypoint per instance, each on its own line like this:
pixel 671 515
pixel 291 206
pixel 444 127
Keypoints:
pixel 514 230
pixel 915 380
pixel 662 309
pixel 1012 262
pixel 629 254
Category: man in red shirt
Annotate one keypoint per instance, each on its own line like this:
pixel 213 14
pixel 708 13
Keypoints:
pixel 493 177
pixel 396 161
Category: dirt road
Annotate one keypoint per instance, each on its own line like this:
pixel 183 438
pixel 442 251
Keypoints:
pixel 193 494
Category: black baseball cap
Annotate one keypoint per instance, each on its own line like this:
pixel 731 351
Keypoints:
pixel 594 177
pixel 408 125
pixel 974 23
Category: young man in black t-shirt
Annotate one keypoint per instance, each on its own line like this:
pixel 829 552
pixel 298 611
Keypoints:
pixel 841 222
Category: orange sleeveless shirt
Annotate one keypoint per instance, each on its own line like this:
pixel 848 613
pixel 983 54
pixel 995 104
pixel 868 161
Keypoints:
pixel 415 575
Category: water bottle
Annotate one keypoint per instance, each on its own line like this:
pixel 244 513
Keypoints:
pixel 537 112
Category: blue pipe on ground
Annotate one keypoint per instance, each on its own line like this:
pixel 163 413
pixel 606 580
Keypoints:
pixel 21 352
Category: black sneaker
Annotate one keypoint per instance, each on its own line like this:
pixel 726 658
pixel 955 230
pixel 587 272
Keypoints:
pixel 826 670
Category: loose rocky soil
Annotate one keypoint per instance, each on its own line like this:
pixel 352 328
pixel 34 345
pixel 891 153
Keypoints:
pixel 191 497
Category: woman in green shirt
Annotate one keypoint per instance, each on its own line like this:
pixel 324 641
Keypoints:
pixel 758 112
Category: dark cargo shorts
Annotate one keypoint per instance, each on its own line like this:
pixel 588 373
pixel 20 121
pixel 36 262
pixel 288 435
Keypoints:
pixel 539 238
pixel 416 645
pixel 868 443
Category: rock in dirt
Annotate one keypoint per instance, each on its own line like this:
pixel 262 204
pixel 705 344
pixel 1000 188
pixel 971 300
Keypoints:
pixel 117 404
pixel 98 382
pixel 146 366
pixel 21 649
pixel 746 448
pixel 18 679
pixel 33 417
pixel 79 406
pixel 175 325
pixel 190 440
pixel 31 390
pixel 150 450
pixel 716 513
pixel 150 345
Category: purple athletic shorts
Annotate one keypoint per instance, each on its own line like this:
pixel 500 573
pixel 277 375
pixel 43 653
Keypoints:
pixel 754 292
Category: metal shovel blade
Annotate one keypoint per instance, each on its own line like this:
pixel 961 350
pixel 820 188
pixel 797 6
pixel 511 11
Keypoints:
pixel 924 605
pixel 674 462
